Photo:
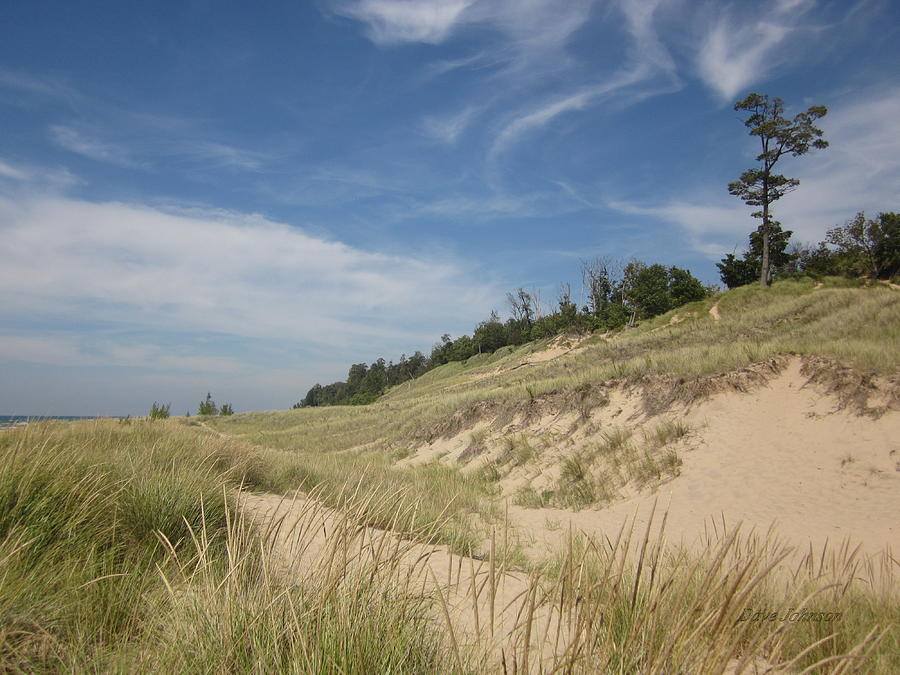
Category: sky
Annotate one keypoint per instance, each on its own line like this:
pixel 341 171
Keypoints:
pixel 246 198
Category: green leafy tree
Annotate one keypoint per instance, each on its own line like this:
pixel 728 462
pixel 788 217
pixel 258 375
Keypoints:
pixel 656 289
pixel 208 407
pixel 650 291
pixel 761 186
pixel 869 247
pixel 736 271
pixel 490 335
pixel 684 287
pixel 226 409
pixel 355 377
pixel 375 380
pixel 159 411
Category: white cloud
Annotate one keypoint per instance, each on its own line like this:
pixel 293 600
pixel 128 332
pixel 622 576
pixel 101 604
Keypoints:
pixel 530 27
pixel 211 152
pixel 147 270
pixel 75 349
pixel 737 52
pixel 391 22
pixel 448 129
pixel 859 171
pixel 548 111
pixel 647 47
pixel 77 142
pixel 30 177
pixel 10 171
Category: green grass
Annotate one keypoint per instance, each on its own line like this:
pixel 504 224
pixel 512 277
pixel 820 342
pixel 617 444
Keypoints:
pixel 857 326
pixel 119 551
pixel 333 447
pixel 123 549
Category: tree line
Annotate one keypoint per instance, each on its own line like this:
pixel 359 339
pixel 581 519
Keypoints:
pixel 861 247
pixel 614 294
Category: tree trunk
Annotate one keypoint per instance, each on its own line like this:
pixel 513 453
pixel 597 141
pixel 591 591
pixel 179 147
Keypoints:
pixel 764 272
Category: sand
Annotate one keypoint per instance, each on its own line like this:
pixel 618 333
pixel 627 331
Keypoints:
pixel 783 456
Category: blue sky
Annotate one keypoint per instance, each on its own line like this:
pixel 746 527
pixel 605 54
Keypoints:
pixel 215 196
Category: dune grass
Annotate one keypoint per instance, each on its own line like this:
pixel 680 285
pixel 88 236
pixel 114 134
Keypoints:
pixel 856 325
pixel 124 548
pixel 119 551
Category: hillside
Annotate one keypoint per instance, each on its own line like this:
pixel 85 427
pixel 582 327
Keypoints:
pixel 712 491
pixel 762 406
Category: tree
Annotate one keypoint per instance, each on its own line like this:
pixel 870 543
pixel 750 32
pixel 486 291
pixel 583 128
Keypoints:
pixel 684 287
pixel 159 411
pixel 524 306
pixel 869 246
pixel 778 136
pixel 355 377
pixel 226 409
pixel 375 379
pixel 208 407
pixel 490 335
pixel 598 282
pixel 650 290
pixel 740 272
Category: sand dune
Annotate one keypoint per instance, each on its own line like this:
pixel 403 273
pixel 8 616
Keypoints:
pixel 785 455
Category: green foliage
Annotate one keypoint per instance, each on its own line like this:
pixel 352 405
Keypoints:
pixel 760 186
pixel 226 409
pixel 208 407
pixel 657 289
pixel 362 398
pixel 870 247
pixel 736 272
pixel 158 411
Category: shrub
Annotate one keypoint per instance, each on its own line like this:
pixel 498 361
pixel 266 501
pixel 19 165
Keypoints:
pixel 158 411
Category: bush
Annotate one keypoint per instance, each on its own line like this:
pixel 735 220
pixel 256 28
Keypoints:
pixel 363 398
pixel 159 411
pixel 208 407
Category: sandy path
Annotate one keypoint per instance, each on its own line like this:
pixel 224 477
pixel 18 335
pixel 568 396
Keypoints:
pixel 485 605
pixel 780 455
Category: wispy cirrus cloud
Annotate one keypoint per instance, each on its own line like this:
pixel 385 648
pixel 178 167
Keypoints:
pixel 738 51
pixel 449 128
pixel 34 85
pixel 140 147
pixel 29 177
pixel 392 22
pixel 859 171
pixel 76 141
pixel 13 172
pixel 550 110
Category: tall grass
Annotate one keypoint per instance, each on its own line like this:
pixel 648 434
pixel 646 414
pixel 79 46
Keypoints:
pixel 858 326
pixel 125 548
pixel 120 551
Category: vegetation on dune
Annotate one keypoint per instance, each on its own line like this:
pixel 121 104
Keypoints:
pixel 124 548
pixel 862 247
pixel 778 136
pixel 856 323
pixel 121 550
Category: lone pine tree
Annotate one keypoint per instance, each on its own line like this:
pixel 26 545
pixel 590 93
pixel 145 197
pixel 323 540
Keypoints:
pixel 779 136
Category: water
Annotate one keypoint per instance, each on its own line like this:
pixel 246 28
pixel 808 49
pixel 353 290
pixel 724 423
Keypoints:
pixel 10 421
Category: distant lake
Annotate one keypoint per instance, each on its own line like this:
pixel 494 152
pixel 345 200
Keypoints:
pixel 8 421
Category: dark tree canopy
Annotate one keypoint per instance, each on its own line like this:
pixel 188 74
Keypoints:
pixel 736 271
